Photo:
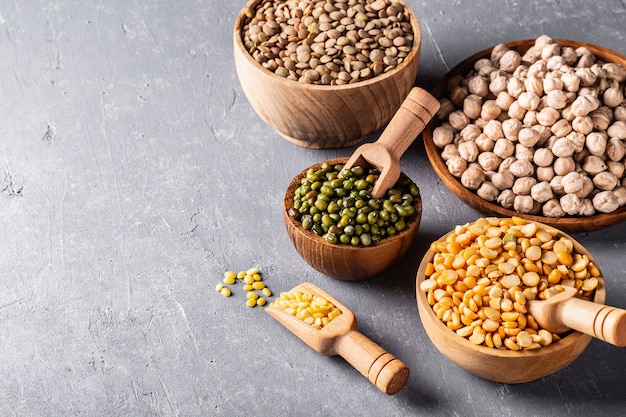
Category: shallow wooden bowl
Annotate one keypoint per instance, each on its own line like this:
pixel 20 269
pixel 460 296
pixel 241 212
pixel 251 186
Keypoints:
pixel 346 262
pixel 322 116
pixel 504 366
pixel 572 224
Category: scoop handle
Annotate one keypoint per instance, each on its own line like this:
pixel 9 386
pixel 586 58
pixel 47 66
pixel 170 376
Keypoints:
pixel 598 320
pixel 411 118
pixel 381 368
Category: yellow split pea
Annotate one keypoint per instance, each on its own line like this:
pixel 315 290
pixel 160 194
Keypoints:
pixel 483 273
pixel 252 280
pixel 312 309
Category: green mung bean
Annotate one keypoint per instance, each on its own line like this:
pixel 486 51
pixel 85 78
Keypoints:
pixel 342 209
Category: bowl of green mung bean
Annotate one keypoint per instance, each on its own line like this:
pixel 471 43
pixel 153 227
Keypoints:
pixel 326 74
pixel 339 230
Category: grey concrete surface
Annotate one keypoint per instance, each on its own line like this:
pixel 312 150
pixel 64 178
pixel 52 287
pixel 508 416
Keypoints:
pixel 134 172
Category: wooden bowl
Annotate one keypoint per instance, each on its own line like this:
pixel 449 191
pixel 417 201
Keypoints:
pixel 572 224
pixel 323 116
pixel 346 262
pixel 504 366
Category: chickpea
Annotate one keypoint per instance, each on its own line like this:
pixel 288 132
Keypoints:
pixel 552 208
pixel 544 173
pixel 541 192
pixel 564 165
pixel 534 84
pixel 504 100
pixel 528 100
pixel 522 168
pixel 458 120
pixel 557 99
pixel 456 165
pixel 617 130
pixel 442 136
pixel 605 181
pixel 487 191
pixel 506 198
pixel 594 165
pixel 523 186
pixel 528 136
pixel 605 202
pixel 503 180
pixel 524 204
pixel 484 143
pixel 472 106
pixel 615 149
pixel 478 86
pixel 583 124
pixel 468 151
pixel 473 177
pixel 493 129
pixel 544 128
pixel 510 60
pixel 489 161
pixel 585 104
pixel 490 110
pixel 548 116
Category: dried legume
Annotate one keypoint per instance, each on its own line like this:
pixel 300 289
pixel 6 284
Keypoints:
pixel 543 135
pixel 341 209
pixel 328 42
pixel 312 309
pixel 482 294
pixel 252 280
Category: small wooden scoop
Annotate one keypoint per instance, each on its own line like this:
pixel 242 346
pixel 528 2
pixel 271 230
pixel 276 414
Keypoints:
pixel 563 311
pixel 341 337
pixel 384 154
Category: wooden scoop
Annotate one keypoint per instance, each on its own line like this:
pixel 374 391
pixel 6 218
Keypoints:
pixel 341 337
pixel 384 154
pixel 564 311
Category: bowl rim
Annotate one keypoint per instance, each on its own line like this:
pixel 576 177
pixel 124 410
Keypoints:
pixel 411 225
pixel 568 339
pixel 567 223
pixel 410 58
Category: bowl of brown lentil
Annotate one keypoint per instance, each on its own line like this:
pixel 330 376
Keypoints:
pixel 473 287
pixel 348 235
pixel 326 74
pixel 535 128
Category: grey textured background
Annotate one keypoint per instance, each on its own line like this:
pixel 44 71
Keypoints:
pixel 133 173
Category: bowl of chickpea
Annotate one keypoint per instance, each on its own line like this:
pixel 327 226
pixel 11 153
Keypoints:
pixel 474 286
pixel 535 128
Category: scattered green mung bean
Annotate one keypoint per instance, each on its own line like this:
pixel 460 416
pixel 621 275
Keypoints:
pixel 356 218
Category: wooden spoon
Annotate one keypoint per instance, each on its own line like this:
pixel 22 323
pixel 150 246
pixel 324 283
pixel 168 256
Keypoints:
pixel 564 311
pixel 384 154
pixel 341 337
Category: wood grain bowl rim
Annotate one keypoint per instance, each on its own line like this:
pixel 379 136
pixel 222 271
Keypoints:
pixel 566 341
pixel 413 55
pixel 411 226
pixel 572 224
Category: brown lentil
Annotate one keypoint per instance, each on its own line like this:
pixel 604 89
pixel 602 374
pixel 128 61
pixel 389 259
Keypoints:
pixel 328 42
pixel 482 295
